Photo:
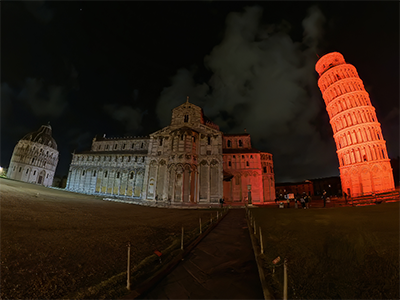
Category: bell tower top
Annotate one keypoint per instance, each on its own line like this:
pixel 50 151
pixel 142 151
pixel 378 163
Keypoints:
pixel 328 61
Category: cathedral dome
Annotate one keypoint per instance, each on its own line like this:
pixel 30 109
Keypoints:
pixel 42 136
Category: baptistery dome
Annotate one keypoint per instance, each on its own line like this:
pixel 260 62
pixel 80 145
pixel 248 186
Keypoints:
pixel 42 136
pixel 35 158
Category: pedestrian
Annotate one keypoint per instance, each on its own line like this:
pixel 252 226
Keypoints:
pixel 303 203
pixel 288 202
pixel 345 197
pixel 295 203
pixel 221 201
pixel 307 201
pixel 324 197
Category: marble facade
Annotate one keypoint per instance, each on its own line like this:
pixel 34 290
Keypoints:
pixel 183 163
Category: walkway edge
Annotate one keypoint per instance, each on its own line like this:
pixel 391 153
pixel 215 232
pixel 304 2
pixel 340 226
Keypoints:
pixel 265 288
pixel 149 283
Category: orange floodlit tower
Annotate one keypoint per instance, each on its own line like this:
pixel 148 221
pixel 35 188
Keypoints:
pixel 364 163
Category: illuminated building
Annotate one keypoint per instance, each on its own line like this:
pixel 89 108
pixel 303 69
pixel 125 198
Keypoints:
pixel 364 163
pixel 251 171
pixel 188 162
pixel 35 158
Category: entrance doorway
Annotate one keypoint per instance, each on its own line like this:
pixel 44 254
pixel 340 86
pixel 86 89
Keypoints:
pixel 41 177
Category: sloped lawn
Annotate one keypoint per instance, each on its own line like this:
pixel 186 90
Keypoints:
pixel 55 244
pixel 336 253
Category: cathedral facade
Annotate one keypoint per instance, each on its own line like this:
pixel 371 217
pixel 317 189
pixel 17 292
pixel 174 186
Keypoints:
pixel 35 158
pixel 188 162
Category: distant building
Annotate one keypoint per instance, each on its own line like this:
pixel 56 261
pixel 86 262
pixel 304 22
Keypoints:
pixel 294 188
pixel 190 161
pixel 332 185
pixel 312 187
pixel 35 158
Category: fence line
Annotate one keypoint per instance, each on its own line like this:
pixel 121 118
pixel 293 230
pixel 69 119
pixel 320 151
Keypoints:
pixel 252 222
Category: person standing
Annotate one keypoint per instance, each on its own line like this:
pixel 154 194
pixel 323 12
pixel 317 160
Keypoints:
pixel 307 201
pixel 345 197
pixel 303 202
pixel 324 197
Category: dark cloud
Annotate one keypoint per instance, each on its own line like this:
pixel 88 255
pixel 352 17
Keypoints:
pixel 7 95
pixel 131 118
pixel 263 81
pixel 39 10
pixel 43 100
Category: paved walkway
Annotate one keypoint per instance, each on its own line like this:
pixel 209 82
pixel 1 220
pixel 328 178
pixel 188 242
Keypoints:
pixel 222 266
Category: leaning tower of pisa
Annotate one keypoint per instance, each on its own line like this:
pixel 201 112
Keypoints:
pixel 363 159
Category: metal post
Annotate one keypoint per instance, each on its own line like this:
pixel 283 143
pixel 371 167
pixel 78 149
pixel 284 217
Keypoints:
pixel 200 225
pixel 182 239
pixel 261 242
pixel 255 227
pixel 284 280
pixel 128 280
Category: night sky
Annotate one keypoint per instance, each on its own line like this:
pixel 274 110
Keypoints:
pixel 118 68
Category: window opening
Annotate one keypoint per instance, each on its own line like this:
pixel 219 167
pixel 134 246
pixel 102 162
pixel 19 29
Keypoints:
pixel 240 143
pixel 209 140
pixel 186 119
pixel 229 143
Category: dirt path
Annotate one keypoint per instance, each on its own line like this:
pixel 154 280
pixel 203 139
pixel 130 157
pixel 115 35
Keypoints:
pixel 222 266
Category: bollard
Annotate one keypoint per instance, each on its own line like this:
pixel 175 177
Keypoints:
pixel 200 225
pixel 128 280
pixel 182 239
pixel 284 280
pixel 261 242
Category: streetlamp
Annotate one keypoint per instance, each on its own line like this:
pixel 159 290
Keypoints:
pixel 249 193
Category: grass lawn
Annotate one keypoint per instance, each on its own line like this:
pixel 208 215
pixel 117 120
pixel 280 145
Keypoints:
pixel 55 244
pixel 336 253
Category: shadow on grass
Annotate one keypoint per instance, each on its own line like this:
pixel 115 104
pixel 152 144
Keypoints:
pixel 344 268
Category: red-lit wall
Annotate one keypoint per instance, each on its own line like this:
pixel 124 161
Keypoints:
pixel 364 163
